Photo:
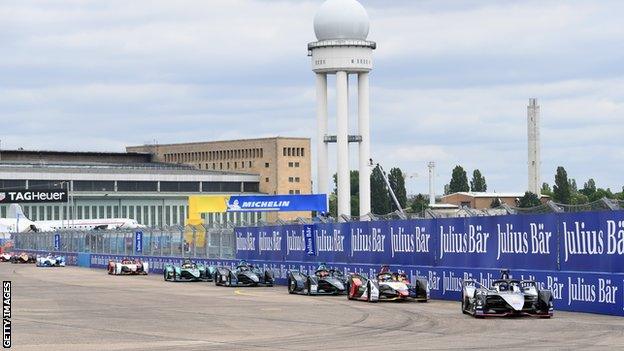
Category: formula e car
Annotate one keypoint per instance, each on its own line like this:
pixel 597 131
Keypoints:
pixel 506 297
pixel 5 257
pixel 128 266
pixel 50 260
pixel 387 286
pixel 323 282
pixel 244 274
pixel 23 258
pixel 188 271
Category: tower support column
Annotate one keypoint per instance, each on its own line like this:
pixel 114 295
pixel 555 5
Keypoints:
pixel 342 140
pixel 364 152
pixel 322 176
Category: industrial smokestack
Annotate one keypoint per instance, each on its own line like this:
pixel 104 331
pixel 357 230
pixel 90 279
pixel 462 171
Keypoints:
pixel 533 128
pixel 431 166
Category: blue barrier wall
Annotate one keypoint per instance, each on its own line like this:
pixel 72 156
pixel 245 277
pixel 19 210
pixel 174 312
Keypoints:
pixel 579 256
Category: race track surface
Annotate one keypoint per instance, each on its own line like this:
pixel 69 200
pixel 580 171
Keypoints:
pixel 75 308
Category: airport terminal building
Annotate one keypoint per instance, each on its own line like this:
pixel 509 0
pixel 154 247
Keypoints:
pixel 113 185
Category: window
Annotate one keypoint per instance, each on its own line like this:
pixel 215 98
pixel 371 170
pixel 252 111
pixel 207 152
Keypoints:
pixel 12 184
pixel 284 152
pixel 250 164
pixel 47 184
pixel 297 191
pixel 221 187
pixel 296 164
pixel 189 187
pixel 291 192
pixel 251 187
pixel 290 164
pixel 291 179
pixel 137 186
pixel 89 185
pixel 297 179
pixel 266 165
pixel 266 180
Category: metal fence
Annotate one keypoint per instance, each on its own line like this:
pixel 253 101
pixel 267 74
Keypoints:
pixel 190 241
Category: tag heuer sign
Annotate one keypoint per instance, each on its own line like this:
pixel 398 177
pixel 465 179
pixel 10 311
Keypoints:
pixel 25 196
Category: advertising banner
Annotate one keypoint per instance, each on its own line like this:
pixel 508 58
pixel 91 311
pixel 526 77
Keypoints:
pixel 138 241
pixel 592 241
pixel 29 196
pixel 282 203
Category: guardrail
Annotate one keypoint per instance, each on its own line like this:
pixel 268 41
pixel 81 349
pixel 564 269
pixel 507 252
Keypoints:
pixel 190 241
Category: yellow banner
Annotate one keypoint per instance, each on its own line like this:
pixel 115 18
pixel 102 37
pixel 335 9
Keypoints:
pixel 205 204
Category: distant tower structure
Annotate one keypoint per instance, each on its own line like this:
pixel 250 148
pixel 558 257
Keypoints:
pixel 533 127
pixel 431 166
pixel 341 28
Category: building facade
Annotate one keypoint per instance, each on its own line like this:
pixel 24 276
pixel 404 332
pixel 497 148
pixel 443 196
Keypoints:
pixel 282 164
pixel 155 194
pixel 481 200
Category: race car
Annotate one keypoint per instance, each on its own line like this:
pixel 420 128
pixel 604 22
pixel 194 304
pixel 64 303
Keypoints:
pixel 244 274
pixel 188 271
pixel 50 260
pixel 388 285
pixel 506 297
pixel 23 258
pixel 324 281
pixel 5 257
pixel 127 266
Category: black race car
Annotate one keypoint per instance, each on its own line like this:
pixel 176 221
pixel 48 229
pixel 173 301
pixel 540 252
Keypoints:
pixel 323 282
pixel 506 297
pixel 244 274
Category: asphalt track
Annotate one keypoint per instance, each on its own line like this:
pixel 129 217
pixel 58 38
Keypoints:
pixel 75 308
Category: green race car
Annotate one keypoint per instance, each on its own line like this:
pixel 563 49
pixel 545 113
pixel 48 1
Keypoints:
pixel 188 271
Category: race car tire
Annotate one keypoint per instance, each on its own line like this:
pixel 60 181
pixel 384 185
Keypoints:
pixel 368 293
pixel 348 287
pixel 291 288
pixel 309 287
pixel 464 304
pixel 229 280
pixel 165 275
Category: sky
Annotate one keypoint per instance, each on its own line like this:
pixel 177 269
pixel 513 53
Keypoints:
pixel 450 84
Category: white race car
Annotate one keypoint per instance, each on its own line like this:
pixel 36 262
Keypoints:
pixel 50 261
pixel 128 266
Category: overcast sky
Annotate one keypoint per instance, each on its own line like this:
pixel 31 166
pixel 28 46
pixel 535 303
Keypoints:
pixel 451 80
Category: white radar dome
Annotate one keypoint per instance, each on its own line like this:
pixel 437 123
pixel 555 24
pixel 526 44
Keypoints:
pixel 341 19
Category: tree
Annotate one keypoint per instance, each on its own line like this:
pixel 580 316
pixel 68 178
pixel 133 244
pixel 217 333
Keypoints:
pixel 380 200
pixel 573 187
pixel 419 204
pixel 546 190
pixel 447 189
pixel 496 202
pixel 459 181
pixel 561 190
pixel 589 188
pixel 397 183
pixel 529 200
pixel 355 195
pixel 578 199
pixel 600 193
pixel 478 182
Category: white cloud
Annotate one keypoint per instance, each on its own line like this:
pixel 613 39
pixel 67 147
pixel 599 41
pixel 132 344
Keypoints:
pixel 451 82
